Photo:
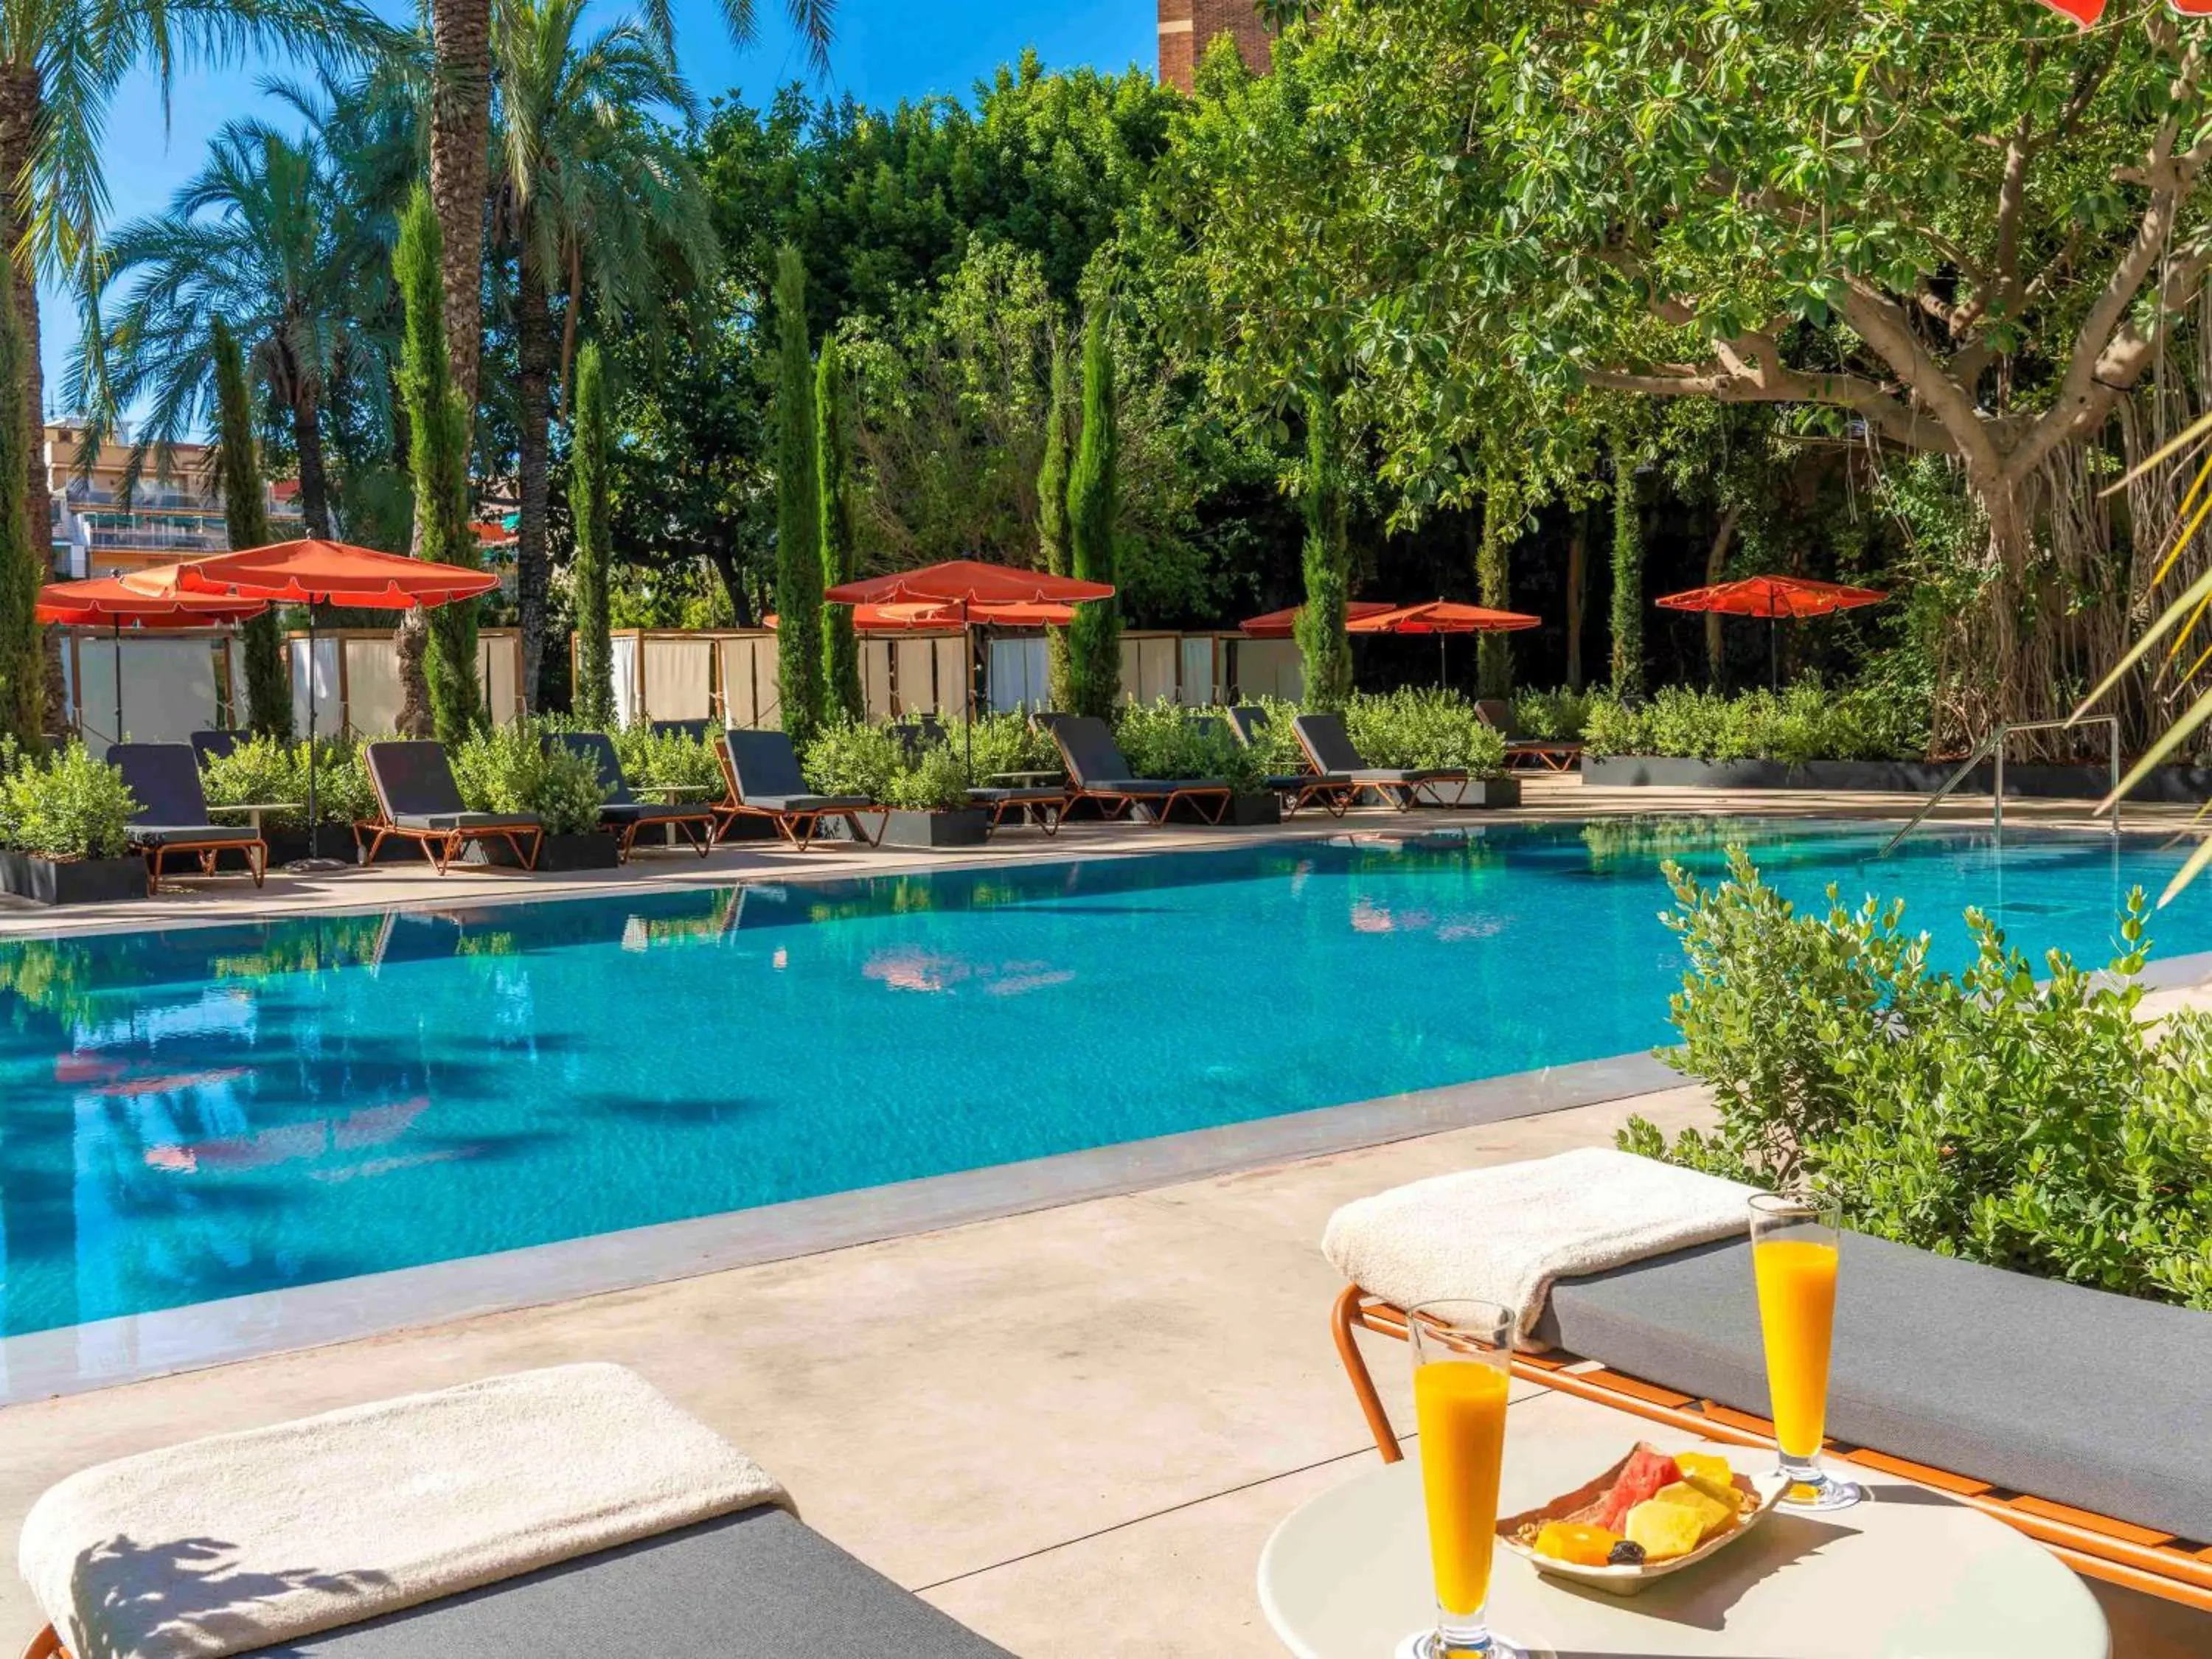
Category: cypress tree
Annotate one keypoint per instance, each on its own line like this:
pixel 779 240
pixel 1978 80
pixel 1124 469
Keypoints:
pixel 588 507
pixel 1324 647
pixel 839 533
pixel 438 455
pixel 1095 637
pixel 1052 526
pixel 22 555
pixel 268 695
pixel 1493 653
pixel 1627 582
pixel 798 510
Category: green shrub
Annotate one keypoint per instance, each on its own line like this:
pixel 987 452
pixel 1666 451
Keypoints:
pixel 343 794
pixel 852 757
pixel 1276 749
pixel 1002 743
pixel 1425 727
pixel 260 769
pixel 1557 715
pixel 1163 739
pixel 510 769
pixel 650 757
pixel 66 805
pixel 935 780
pixel 1805 722
pixel 2041 1129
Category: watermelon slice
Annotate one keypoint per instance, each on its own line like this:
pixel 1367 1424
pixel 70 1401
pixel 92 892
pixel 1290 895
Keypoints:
pixel 1647 1469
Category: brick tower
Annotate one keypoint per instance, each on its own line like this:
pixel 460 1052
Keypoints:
pixel 1187 27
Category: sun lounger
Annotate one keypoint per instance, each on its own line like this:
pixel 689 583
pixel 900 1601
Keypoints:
pixel 173 813
pixel 1552 754
pixel 739 1577
pixel 1098 772
pixel 698 730
pixel 2075 1415
pixel 623 813
pixel 1333 791
pixel 761 779
pixel 1329 747
pixel 216 744
pixel 418 801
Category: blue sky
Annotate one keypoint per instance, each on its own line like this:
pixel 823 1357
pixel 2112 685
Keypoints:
pixel 885 50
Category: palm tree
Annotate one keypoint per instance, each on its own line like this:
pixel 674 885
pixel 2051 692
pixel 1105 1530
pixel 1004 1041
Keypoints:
pixel 594 200
pixel 266 239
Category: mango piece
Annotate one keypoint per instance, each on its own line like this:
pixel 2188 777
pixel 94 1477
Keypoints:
pixel 1576 1544
pixel 1665 1531
pixel 1714 1515
pixel 1693 1464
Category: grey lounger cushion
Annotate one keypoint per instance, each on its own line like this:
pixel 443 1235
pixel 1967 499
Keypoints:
pixel 1162 785
pixel 1040 794
pixel 466 820
pixel 164 834
pixel 810 803
pixel 647 812
pixel 2073 1395
pixel 758 1585
pixel 1406 774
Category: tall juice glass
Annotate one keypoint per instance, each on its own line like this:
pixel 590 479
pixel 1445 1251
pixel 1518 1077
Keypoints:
pixel 1461 1353
pixel 1795 1250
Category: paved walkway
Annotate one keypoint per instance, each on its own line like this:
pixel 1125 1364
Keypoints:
pixel 1073 1429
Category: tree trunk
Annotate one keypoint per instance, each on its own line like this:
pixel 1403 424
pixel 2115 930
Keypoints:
pixel 1716 567
pixel 1577 595
pixel 21 100
pixel 314 477
pixel 533 326
pixel 412 639
pixel 733 584
pixel 460 120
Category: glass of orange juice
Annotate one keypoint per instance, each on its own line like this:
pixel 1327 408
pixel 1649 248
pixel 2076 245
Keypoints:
pixel 1796 1249
pixel 1462 1350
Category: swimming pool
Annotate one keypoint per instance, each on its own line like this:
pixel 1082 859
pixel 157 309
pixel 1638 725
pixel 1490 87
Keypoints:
pixel 206 1112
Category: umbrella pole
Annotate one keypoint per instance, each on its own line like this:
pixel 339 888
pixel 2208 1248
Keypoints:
pixel 968 726
pixel 1774 652
pixel 1444 677
pixel 119 679
pixel 314 827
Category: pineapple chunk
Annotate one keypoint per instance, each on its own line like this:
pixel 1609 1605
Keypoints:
pixel 1713 1514
pixel 1665 1531
pixel 1721 1490
pixel 1693 1464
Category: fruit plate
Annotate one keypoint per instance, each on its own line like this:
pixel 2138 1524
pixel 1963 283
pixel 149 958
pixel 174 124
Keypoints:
pixel 1765 1490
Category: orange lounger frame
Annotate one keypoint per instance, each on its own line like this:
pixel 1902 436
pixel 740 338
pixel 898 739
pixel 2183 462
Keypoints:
pixel 2118 1552
pixel 1113 803
pixel 442 847
pixel 1335 795
pixel 256 851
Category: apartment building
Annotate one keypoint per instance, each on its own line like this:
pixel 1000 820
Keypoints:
pixel 177 514
pixel 1187 27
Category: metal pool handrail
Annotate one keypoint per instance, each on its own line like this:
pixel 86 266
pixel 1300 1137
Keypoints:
pixel 1993 744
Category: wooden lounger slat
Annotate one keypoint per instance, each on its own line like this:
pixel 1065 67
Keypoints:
pixel 2102 1546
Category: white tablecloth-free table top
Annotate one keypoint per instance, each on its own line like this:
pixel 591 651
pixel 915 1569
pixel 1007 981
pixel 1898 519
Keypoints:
pixel 1910 1575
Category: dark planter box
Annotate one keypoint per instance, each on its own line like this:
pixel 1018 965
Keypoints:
pixel 1245 810
pixel 72 881
pixel 1493 792
pixel 2079 782
pixel 594 849
pixel 963 826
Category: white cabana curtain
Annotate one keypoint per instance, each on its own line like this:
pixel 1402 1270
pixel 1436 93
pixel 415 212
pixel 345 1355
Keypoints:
pixel 629 707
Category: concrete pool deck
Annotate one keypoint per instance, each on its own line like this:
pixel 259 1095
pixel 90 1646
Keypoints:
pixel 1071 1429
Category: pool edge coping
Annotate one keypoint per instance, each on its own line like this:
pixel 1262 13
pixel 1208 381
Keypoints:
pixel 200 1336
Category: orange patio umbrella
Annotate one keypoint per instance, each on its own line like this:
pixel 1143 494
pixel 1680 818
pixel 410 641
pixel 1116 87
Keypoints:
pixel 926 618
pixel 312 572
pixel 1280 624
pixel 106 599
pixel 1442 617
pixel 964 590
pixel 1774 598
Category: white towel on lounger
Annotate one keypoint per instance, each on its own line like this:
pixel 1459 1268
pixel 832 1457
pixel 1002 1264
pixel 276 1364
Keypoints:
pixel 245 1540
pixel 1504 1234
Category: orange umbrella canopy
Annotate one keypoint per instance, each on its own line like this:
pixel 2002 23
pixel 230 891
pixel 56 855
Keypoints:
pixel 939 618
pixel 1774 596
pixel 312 572
pixel 107 602
pixel 971 583
pixel 1442 616
pixel 1279 624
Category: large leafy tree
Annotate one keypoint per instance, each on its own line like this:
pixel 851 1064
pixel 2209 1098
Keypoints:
pixel 594 200
pixel 266 242
pixel 1955 226
pixel 1324 647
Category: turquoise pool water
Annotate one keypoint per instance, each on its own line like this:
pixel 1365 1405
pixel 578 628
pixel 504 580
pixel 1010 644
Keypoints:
pixel 200 1113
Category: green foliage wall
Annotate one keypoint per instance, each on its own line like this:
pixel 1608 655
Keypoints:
pixel 798 510
pixel 840 531
pixel 268 692
pixel 1052 523
pixel 1627 581
pixel 1324 647
pixel 587 508
pixel 1095 637
pixel 438 452
pixel 1493 653
pixel 22 555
